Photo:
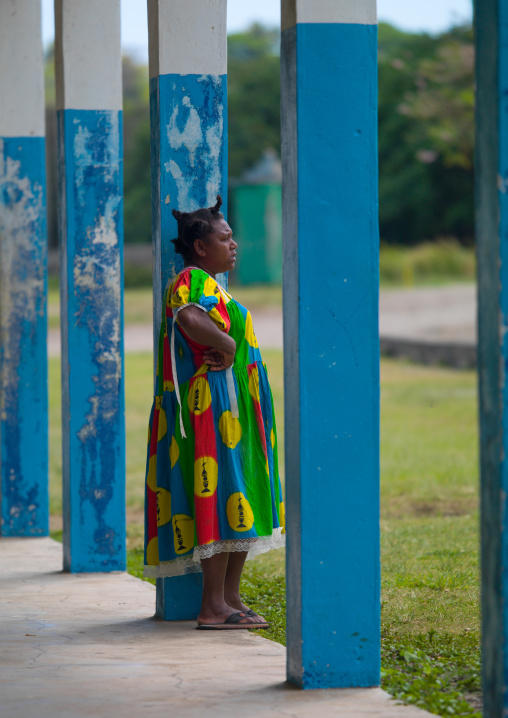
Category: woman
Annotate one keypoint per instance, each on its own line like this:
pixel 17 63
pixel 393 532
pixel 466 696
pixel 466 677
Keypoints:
pixel 213 493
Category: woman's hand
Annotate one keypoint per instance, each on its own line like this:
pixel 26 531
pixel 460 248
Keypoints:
pixel 220 353
pixel 218 359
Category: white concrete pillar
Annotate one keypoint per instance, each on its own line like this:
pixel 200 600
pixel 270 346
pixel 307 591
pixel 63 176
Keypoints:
pixel 89 112
pixel 23 274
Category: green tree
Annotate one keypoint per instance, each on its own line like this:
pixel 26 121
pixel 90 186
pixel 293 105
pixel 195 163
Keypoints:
pixel 425 129
pixel 136 135
pixel 253 96
pixel 425 135
pixel 443 99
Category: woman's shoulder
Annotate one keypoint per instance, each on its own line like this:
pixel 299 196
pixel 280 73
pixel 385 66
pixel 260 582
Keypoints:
pixel 188 274
pixel 183 278
pixel 198 280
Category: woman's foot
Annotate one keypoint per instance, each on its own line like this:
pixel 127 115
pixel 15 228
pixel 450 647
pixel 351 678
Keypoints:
pixel 239 605
pixel 210 615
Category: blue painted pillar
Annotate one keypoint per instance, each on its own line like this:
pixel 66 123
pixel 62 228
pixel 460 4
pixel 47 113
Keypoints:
pixel 491 177
pixel 331 349
pixel 89 104
pixel 188 116
pixel 23 275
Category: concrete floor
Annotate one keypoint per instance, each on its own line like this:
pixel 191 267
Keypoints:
pixel 77 645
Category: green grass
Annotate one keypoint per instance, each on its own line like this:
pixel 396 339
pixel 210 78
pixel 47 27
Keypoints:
pixel 429 263
pixel 429 525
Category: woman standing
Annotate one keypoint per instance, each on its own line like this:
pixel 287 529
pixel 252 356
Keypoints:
pixel 213 494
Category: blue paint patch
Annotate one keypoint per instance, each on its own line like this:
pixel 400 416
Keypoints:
pixel 333 384
pixel 23 336
pixel 188 119
pixel 93 409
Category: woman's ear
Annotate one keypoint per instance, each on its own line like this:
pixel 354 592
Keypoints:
pixel 199 248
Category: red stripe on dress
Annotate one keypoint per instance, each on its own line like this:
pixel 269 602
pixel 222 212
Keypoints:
pixel 205 447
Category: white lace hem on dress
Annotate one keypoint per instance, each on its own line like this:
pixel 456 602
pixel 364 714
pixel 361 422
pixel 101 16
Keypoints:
pixel 191 562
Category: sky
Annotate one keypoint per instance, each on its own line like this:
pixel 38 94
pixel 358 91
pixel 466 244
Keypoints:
pixel 412 15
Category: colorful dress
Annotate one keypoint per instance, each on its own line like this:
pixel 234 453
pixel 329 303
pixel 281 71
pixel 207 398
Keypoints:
pixel 212 481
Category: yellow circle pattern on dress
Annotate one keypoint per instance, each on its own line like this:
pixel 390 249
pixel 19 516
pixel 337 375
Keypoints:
pixel 174 452
pixel 180 297
pixel 210 288
pixel 202 369
pixel 272 438
pixel 183 533
pixel 163 506
pixel 152 552
pixel 169 386
pixel 282 516
pixel 217 318
pixel 199 397
pixel 254 384
pixel 239 512
pixel 206 474
pixel 163 425
pixel 151 477
pixel 230 429
pixel 249 332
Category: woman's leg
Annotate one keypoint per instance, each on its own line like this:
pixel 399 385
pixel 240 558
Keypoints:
pixel 214 608
pixel 232 583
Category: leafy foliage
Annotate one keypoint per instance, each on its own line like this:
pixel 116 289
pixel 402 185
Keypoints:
pixel 253 96
pixel 429 262
pixel 425 135
pixel 439 672
pixel 136 131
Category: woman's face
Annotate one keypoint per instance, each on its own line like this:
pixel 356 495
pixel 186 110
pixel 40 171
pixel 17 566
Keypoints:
pixel 217 251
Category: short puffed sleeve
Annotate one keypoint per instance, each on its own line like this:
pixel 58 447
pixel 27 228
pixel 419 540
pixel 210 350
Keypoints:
pixel 194 287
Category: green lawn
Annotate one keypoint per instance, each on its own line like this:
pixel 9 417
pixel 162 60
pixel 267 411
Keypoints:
pixel 429 524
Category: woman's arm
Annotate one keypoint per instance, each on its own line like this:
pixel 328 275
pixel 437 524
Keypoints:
pixel 202 329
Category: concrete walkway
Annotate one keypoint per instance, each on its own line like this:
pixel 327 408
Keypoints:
pixel 437 315
pixel 78 645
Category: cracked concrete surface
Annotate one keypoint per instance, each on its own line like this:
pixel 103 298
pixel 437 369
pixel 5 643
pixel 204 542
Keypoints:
pixel 86 645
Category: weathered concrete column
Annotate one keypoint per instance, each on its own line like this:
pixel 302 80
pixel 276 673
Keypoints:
pixel 491 176
pixel 23 276
pixel 89 103
pixel 188 116
pixel 331 349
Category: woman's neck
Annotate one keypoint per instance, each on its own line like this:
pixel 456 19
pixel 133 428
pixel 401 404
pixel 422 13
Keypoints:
pixel 199 265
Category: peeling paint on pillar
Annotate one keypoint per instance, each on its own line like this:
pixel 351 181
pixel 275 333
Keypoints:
pixel 93 409
pixel 189 154
pixel 23 327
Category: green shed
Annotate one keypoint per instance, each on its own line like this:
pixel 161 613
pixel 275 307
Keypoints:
pixel 256 219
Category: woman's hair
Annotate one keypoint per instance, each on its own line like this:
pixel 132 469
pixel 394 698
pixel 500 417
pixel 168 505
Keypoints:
pixel 194 225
